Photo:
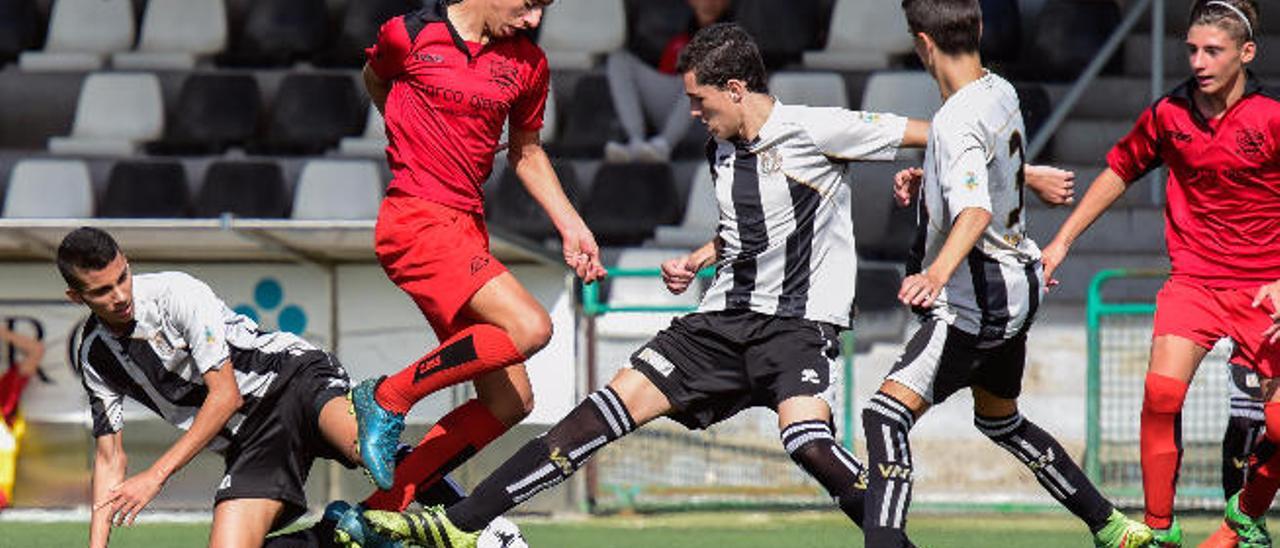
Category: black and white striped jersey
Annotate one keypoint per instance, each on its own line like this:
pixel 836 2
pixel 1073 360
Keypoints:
pixel 975 159
pixel 181 331
pixel 786 233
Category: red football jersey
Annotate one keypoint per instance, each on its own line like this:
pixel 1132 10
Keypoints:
pixel 1222 216
pixel 448 102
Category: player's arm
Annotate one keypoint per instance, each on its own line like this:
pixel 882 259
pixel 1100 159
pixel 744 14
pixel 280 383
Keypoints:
pixel 1052 185
pixel 377 87
pixel 533 167
pixel 678 273
pixel 127 499
pixel 32 350
pixel 1104 191
pixel 109 465
pixel 916 135
pixel 920 290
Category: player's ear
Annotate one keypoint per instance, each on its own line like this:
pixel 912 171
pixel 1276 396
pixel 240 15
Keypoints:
pixel 1248 51
pixel 74 296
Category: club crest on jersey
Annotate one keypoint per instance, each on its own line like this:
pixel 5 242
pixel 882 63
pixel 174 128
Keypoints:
pixel 771 161
pixel 1251 143
pixel 504 73
pixel 970 180
pixel 870 117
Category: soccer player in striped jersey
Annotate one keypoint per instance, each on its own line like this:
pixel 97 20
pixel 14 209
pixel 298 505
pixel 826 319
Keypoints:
pixel 1216 133
pixel 975 282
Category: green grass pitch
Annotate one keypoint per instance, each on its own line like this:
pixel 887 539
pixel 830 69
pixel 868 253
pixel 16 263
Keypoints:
pixel 716 530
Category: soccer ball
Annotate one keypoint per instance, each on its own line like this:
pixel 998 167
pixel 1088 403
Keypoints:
pixel 501 533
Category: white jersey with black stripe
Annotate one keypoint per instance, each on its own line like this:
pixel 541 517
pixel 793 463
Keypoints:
pixel 181 331
pixel 975 159
pixel 785 235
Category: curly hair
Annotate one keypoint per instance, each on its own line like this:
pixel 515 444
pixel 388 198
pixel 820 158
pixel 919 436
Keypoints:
pixel 723 52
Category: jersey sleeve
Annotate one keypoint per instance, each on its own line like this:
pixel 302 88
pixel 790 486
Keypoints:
pixel 531 105
pixel 1138 152
pixel 850 135
pixel 106 405
pixel 196 312
pixel 387 56
pixel 961 158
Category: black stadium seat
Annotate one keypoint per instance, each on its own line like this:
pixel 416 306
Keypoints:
pixel 213 112
pixel 278 32
pixel 512 207
pixel 628 201
pixel 1069 34
pixel 589 121
pixel 147 190
pixel 1001 30
pixel 254 190
pixel 783 30
pixel 19 28
pixel 653 23
pixel 359 30
pixel 1036 107
pixel 311 113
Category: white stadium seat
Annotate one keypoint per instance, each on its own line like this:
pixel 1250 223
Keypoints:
pixel 863 36
pixel 34 183
pixel 81 34
pixel 114 115
pixel 338 189
pixel 908 93
pixel 815 89
pixel 175 33
pixel 372 143
pixel 575 32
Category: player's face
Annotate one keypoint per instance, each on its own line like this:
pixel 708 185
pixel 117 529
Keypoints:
pixel 107 292
pixel 1217 60
pixel 512 16
pixel 715 107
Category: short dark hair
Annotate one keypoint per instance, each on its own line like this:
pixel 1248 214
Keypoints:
pixel 1206 12
pixel 85 248
pixel 954 25
pixel 723 52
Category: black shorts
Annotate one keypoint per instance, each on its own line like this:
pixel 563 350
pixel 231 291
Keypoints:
pixel 713 365
pixel 939 360
pixel 271 454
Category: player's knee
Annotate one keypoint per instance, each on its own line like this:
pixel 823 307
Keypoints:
pixel 531 332
pixel 511 410
pixel 1163 394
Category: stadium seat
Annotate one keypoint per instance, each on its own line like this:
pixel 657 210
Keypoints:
pixel 864 36
pixel 81 34
pixel 783 30
pixel 880 317
pixel 882 230
pixel 628 201
pixel 311 113
pixel 372 143
pixel 701 215
pixel 653 23
pixel 575 33
pixel 511 206
pixel 591 122
pixel 815 89
pixel 176 34
pixel 338 189
pixel 359 29
pixel 278 32
pixel 1036 107
pixel 146 190
pixel 213 112
pixel 245 189
pixel 115 113
pixel 1001 30
pixel 19 28
pixel 1069 34
pixel 33 182
pixel 908 93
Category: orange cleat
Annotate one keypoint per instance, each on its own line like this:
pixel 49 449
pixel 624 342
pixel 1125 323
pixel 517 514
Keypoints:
pixel 1224 537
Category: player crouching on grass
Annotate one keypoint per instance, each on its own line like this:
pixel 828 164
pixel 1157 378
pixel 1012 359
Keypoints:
pixel 976 283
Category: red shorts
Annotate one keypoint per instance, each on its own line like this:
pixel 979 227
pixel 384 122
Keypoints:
pixel 437 254
pixel 1205 315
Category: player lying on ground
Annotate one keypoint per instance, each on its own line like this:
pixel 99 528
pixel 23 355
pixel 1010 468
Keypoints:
pixel 1216 134
pixel 975 282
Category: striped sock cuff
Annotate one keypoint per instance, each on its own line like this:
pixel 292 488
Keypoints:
pixel 795 435
pixel 891 409
pixel 613 411
pixel 998 427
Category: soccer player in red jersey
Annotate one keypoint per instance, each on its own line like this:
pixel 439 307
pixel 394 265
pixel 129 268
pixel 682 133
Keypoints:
pixel 447 78
pixel 1217 135
pixel 12 383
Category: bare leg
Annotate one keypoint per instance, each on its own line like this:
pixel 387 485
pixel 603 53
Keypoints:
pixel 243 523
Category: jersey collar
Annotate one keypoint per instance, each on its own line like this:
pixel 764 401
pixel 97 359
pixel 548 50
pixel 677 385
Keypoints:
pixel 1185 91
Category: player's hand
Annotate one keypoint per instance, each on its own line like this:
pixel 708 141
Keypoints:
pixel 678 274
pixel 1051 257
pixel 1270 293
pixel 582 254
pixel 1052 185
pixel 128 498
pixel 920 290
pixel 906 184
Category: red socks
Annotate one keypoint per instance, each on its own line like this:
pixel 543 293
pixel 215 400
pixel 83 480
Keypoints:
pixel 459 435
pixel 1161 443
pixel 468 354
pixel 1260 489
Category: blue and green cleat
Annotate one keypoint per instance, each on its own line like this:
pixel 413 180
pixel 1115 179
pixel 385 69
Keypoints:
pixel 1252 531
pixel 429 528
pixel 378 434
pixel 351 531
pixel 1122 532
